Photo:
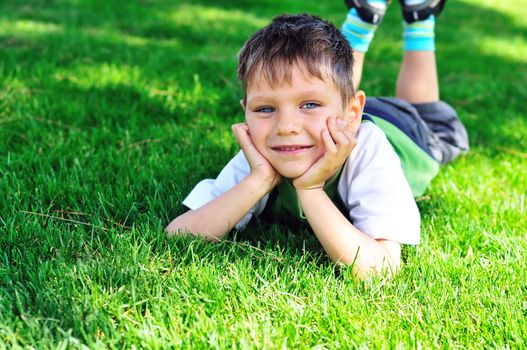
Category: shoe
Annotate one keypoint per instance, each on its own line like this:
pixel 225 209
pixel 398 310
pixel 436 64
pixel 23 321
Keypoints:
pixel 414 13
pixel 368 13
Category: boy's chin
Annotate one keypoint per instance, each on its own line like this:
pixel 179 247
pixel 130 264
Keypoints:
pixel 291 173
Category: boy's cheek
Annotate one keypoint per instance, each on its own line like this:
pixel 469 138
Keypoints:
pixel 249 122
pixel 253 130
pixel 256 128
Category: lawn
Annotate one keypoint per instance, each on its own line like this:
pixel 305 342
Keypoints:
pixel 111 111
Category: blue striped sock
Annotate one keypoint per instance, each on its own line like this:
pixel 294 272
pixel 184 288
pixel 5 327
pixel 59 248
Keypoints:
pixel 359 33
pixel 419 36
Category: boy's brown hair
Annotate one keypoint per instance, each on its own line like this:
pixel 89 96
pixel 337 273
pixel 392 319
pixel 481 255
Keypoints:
pixel 306 41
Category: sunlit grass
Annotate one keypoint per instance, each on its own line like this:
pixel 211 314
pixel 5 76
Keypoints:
pixel 216 18
pixel 86 76
pixel 27 28
pixel 514 48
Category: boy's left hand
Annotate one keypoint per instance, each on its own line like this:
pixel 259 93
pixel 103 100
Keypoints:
pixel 339 141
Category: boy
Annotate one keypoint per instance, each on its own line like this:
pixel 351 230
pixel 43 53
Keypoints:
pixel 309 154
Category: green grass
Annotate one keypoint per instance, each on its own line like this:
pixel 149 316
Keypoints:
pixel 111 111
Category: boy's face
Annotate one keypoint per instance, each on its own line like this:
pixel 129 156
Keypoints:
pixel 286 121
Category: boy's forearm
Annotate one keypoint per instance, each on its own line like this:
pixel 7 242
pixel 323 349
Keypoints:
pixel 216 218
pixel 342 241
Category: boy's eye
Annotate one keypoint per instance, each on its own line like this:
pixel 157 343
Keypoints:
pixel 265 109
pixel 310 105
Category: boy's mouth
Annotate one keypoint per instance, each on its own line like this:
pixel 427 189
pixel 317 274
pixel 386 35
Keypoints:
pixel 290 149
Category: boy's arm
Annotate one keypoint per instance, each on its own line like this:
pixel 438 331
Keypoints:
pixel 342 241
pixel 214 219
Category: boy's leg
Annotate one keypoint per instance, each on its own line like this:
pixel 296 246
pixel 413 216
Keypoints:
pixel 417 81
pixel 358 63
pixel 446 137
pixel 360 25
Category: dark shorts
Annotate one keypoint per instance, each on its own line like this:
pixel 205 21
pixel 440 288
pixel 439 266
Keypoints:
pixel 435 126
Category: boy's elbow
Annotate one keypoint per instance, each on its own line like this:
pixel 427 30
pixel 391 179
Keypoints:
pixel 389 262
pixel 172 230
pixel 177 228
pixel 184 226
pixel 382 264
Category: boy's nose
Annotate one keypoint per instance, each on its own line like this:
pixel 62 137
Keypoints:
pixel 288 123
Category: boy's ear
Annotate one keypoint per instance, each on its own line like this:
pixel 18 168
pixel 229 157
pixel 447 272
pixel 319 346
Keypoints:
pixel 354 109
pixel 243 104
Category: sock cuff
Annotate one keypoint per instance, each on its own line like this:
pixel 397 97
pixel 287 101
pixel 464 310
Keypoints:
pixel 419 36
pixel 358 32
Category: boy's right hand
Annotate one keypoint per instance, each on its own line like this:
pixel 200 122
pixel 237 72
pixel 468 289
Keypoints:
pixel 260 167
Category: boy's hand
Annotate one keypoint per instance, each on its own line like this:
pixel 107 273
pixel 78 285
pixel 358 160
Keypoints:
pixel 339 141
pixel 260 167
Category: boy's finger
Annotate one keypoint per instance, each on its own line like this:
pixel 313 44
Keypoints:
pixel 241 132
pixel 241 135
pixel 348 132
pixel 333 128
pixel 235 129
pixel 339 134
pixel 239 126
pixel 330 145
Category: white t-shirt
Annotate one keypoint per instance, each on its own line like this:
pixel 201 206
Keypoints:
pixel 372 186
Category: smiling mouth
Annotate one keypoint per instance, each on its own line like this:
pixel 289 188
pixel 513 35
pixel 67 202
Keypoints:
pixel 290 149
